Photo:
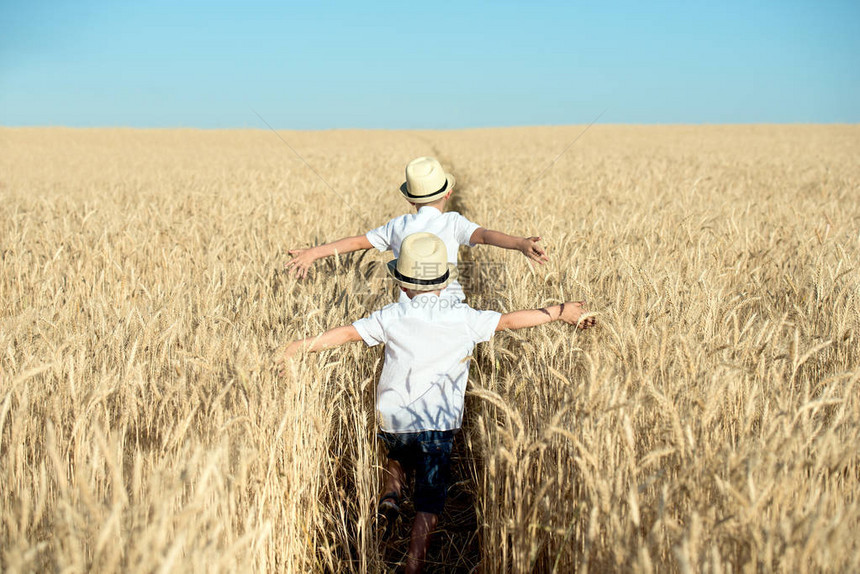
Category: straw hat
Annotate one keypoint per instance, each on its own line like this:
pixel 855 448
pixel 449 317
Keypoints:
pixel 426 181
pixel 423 263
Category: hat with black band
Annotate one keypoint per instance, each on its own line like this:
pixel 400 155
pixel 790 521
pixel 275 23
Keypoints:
pixel 426 181
pixel 423 263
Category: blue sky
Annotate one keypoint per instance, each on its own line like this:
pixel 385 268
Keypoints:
pixel 321 65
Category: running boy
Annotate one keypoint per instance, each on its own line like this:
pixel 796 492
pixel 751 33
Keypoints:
pixel 419 397
pixel 427 188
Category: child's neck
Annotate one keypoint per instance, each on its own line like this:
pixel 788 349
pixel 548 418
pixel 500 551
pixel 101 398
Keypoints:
pixel 440 205
pixel 413 294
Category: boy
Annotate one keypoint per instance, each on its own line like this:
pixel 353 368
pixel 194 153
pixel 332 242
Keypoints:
pixel 427 188
pixel 419 398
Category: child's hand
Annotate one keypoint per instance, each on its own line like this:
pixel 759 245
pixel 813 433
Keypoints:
pixel 530 248
pixel 284 356
pixel 575 313
pixel 303 259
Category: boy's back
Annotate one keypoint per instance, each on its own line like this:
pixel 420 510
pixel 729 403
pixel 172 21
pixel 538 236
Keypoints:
pixel 428 340
pixel 452 228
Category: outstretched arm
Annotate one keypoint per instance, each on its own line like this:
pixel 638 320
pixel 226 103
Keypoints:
pixel 570 312
pixel 331 338
pixel 303 259
pixel 528 246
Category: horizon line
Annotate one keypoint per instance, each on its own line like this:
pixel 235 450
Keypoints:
pixel 448 129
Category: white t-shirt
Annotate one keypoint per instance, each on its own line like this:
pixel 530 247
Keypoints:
pixel 428 340
pixel 451 227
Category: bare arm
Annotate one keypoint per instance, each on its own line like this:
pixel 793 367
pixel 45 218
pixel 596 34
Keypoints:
pixel 570 312
pixel 331 338
pixel 528 246
pixel 303 259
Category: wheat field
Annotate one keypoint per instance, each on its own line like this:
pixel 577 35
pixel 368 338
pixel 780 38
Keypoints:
pixel 709 424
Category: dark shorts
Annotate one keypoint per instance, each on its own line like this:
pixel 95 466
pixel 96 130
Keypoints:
pixel 428 453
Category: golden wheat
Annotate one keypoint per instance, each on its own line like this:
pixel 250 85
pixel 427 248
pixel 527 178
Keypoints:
pixel 710 424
